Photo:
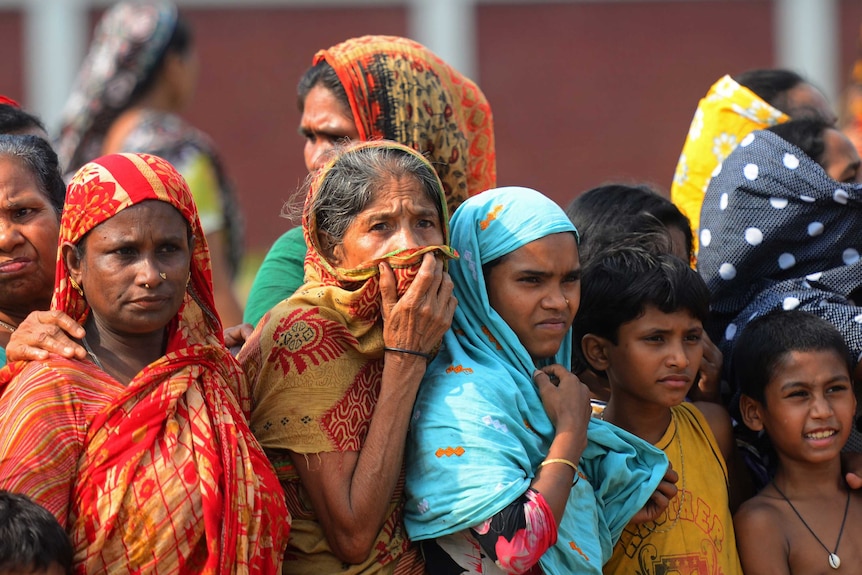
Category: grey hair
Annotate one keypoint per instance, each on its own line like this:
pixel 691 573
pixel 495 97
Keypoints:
pixel 353 180
pixel 41 161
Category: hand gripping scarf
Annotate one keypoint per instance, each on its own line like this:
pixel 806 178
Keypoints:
pixel 315 362
pixel 779 233
pixel 479 429
pixel 171 479
pixel 727 114
pixel 401 91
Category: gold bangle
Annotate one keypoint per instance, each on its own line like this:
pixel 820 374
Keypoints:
pixel 560 460
pixel 565 462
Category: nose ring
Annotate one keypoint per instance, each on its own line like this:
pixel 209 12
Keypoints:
pixel 163 275
pixel 147 286
pixel 567 302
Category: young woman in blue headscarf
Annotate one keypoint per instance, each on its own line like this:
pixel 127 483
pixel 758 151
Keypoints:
pixel 506 471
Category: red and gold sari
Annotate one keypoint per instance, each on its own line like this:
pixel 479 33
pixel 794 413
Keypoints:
pixel 162 475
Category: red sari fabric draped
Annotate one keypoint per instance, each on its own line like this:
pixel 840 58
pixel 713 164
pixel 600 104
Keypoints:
pixel 169 477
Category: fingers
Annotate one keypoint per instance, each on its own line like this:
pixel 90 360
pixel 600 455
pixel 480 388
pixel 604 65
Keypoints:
pixel 45 332
pixel 853 481
pixel 388 292
pixel 237 335
pixel 62 321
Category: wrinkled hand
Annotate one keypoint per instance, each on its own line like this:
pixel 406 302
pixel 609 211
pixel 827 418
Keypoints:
pixel 660 498
pixel 235 336
pixel 419 319
pixel 709 384
pixel 44 332
pixel 566 400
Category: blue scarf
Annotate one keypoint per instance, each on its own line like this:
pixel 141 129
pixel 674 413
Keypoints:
pixel 479 429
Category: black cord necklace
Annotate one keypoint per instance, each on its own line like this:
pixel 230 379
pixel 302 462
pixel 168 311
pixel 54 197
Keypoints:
pixel 834 560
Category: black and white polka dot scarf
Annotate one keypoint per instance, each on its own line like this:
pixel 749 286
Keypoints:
pixel 777 232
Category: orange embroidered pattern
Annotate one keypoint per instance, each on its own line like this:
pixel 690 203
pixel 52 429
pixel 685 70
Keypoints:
pixel 449 452
pixel 491 338
pixel 492 215
pixel 458 369
pixel 578 549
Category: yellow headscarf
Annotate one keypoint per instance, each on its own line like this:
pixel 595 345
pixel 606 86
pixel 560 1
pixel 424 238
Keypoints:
pixel 727 114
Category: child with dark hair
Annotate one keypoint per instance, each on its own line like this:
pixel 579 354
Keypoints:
pixel 623 213
pixel 31 539
pixel 640 323
pixel 794 370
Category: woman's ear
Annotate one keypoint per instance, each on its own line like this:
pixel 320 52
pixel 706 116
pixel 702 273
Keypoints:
pixel 331 250
pixel 594 348
pixel 72 258
pixel 751 411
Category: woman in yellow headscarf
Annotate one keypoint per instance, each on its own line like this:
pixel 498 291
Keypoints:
pixel 733 108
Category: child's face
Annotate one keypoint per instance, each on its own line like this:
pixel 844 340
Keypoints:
pixel 656 357
pixel 809 405
pixel 536 289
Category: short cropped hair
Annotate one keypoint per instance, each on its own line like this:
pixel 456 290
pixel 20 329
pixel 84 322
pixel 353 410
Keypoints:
pixel 31 538
pixel 618 284
pixel 40 159
pixel 606 213
pixel 765 342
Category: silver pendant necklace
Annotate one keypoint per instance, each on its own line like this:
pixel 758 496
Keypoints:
pixel 834 560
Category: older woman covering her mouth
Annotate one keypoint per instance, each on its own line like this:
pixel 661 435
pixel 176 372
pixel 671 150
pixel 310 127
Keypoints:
pixel 336 367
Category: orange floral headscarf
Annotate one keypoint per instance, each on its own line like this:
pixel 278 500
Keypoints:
pixel 401 91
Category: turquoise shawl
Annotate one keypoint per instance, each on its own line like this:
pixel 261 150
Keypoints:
pixel 479 429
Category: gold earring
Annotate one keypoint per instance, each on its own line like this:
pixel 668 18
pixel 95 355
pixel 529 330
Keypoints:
pixel 76 287
pixel 163 275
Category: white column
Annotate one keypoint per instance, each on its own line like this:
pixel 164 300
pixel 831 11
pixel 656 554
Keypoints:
pixel 55 36
pixel 448 28
pixel 806 37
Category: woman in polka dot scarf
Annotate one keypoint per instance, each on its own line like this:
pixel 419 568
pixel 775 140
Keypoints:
pixel 780 231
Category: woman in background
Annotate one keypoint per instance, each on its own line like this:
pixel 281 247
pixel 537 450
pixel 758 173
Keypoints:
pixel 383 87
pixel 138 76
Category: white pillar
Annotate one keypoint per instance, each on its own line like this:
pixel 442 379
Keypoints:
pixel 55 36
pixel 448 28
pixel 807 41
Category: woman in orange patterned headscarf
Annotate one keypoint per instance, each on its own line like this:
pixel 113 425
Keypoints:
pixel 142 452
pixel 384 87
pixel 336 367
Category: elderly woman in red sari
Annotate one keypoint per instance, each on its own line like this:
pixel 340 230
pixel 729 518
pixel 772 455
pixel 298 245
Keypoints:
pixel 336 367
pixel 142 451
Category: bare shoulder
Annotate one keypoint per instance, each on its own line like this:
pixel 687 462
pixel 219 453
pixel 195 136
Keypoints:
pixel 760 537
pixel 758 512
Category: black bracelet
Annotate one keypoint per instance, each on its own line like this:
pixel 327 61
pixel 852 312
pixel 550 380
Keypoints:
pixel 427 356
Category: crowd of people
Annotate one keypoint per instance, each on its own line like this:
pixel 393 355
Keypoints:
pixel 437 375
